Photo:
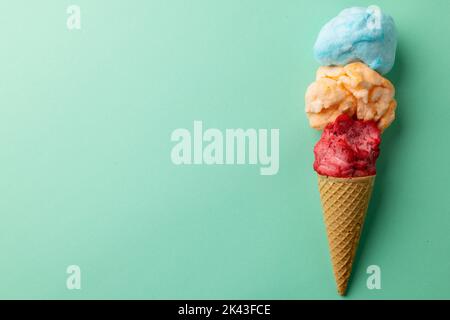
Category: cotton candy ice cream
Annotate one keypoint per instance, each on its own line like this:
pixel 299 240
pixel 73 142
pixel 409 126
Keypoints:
pixel 355 90
pixel 358 34
pixel 348 148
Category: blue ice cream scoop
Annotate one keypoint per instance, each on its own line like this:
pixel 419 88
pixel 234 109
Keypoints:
pixel 358 34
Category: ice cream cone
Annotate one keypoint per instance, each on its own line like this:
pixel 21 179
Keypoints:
pixel 344 203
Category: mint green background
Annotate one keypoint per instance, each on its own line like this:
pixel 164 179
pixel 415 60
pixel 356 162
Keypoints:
pixel 86 175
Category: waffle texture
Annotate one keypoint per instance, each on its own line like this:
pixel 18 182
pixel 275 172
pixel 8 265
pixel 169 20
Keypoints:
pixel 344 203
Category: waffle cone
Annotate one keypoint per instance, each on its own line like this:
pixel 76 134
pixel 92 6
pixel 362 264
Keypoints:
pixel 344 203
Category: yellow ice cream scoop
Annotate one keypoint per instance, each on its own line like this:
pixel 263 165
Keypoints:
pixel 354 89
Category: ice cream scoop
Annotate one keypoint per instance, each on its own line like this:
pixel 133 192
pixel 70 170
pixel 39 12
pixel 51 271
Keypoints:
pixel 358 34
pixel 355 90
pixel 348 148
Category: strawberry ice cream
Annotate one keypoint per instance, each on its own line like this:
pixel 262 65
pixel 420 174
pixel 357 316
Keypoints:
pixel 348 148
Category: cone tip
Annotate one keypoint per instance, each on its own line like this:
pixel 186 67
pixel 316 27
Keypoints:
pixel 341 292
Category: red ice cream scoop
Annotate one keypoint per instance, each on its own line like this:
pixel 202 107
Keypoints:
pixel 348 148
